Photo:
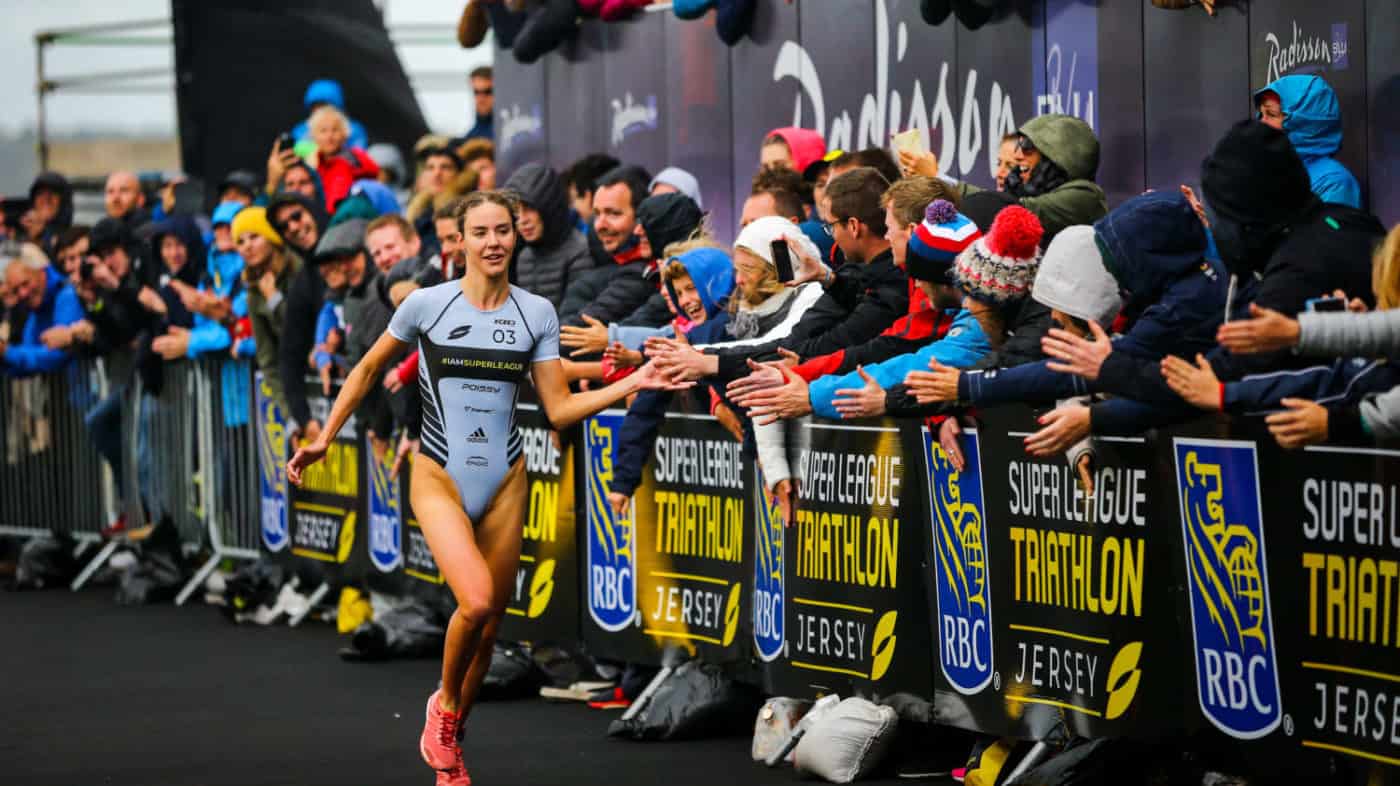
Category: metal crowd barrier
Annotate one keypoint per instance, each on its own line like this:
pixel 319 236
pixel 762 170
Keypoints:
pixel 187 454
pixel 51 477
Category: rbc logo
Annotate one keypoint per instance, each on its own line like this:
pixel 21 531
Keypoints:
pixel 960 572
pixel 612 559
pixel 767 578
pixel 272 459
pixel 385 517
pixel 1236 669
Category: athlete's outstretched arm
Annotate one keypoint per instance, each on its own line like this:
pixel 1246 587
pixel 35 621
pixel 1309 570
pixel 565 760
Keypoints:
pixel 356 386
pixel 566 408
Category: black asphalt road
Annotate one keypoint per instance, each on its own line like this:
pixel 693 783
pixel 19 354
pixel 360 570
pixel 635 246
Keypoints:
pixel 96 693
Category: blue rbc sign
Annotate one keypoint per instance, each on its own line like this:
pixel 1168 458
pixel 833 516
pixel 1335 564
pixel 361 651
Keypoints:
pixel 612 555
pixel 964 623
pixel 767 577
pixel 1237 679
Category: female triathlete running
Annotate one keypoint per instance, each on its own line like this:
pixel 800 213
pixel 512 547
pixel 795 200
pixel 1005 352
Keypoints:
pixel 477 339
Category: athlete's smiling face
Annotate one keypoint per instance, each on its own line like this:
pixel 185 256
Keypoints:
pixel 489 238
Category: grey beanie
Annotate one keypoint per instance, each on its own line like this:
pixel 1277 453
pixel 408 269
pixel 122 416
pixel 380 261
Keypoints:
pixel 1073 279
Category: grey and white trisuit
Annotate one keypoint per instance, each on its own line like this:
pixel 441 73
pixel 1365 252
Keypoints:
pixel 471 364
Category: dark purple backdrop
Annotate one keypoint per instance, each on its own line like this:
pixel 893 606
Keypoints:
pixel 1161 86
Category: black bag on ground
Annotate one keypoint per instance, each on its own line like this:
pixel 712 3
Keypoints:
pixel 252 585
pixel 512 674
pixel 46 561
pixel 155 578
pixel 696 700
pixel 413 630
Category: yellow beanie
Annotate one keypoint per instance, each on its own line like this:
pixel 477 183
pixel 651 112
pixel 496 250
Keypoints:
pixel 254 219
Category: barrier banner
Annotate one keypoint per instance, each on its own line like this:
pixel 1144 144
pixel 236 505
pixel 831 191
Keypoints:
pixel 679 558
pixel 387 501
pixel 1292 562
pixel 326 508
pixel 1048 603
pixel 610 555
pixel 270 425
pixel 855 611
pixel 544 604
pixel 768 568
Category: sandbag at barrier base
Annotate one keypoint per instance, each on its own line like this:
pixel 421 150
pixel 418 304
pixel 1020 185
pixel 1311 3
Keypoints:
pixel 45 561
pixel 696 700
pixel 848 742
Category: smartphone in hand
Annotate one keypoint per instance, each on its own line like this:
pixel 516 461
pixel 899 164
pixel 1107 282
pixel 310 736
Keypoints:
pixel 782 259
pixel 1325 304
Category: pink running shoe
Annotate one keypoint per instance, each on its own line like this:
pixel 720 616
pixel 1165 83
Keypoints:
pixel 439 741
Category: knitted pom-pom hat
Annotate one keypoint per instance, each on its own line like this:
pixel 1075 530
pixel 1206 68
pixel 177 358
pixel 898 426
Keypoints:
pixel 1000 267
pixel 937 241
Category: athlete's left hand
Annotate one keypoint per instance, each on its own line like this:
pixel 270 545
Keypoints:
pixel 407 447
pixel 789 400
pixel 1062 427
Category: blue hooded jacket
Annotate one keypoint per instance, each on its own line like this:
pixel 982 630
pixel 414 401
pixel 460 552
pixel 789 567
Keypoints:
pixel 328 91
pixel 59 307
pixel 713 273
pixel 1312 118
pixel 1155 247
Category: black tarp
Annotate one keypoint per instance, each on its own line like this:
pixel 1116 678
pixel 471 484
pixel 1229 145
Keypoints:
pixel 242 68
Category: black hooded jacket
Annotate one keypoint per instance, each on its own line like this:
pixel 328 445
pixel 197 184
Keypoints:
pixel 53 181
pixel 666 219
pixel 547 266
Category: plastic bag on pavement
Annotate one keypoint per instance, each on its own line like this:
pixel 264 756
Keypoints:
pixel 776 719
pixel 46 561
pixel 847 743
pixel 696 700
pixel 254 585
pixel 412 630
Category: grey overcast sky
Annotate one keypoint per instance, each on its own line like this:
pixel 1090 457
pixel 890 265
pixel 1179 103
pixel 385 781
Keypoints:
pixel 155 114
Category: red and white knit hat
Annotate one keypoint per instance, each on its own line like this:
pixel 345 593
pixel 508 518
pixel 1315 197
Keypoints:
pixel 1000 267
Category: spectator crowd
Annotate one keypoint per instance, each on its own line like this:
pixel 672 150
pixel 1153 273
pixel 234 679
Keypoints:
pixel 860 284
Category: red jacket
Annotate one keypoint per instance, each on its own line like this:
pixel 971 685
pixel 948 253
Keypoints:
pixel 340 171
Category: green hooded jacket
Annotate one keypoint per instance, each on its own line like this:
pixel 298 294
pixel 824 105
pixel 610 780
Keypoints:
pixel 1070 143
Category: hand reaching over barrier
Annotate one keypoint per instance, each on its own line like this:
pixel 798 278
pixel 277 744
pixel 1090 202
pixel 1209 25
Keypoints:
pixel 867 401
pixel 1077 355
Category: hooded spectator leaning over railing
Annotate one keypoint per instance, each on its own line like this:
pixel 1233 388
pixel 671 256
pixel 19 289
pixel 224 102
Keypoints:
pixel 1356 398
pixel 48 302
pixel 1282 246
pixel 702 278
pixel 177 242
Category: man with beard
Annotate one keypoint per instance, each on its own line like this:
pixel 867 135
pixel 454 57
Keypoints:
pixel 300 221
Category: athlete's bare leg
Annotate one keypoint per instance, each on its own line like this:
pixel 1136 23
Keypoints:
pixel 498 537
pixel 480 586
